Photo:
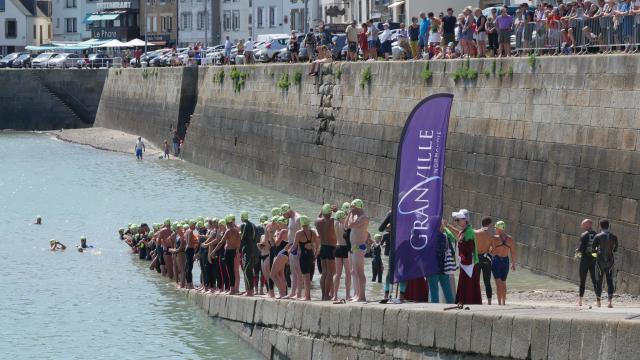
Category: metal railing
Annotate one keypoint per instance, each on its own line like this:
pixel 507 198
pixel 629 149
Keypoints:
pixel 579 35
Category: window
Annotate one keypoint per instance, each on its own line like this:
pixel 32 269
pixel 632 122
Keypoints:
pixel 272 16
pixel 148 24
pixel 57 23
pixel 71 4
pixel 34 32
pixel 187 21
pixel 227 20
pixel 2 5
pixel 236 20
pixel 71 24
pixel 11 28
pixel 154 23
pixel 202 19
pixel 259 13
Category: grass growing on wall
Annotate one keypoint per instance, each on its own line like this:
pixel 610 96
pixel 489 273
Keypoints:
pixel 238 78
pixel 339 73
pixel 297 77
pixel 218 77
pixel 465 72
pixel 284 82
pixel 426 73
pixel 365 76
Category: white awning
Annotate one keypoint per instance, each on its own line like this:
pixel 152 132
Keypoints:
pixel 134 43
pixel 112 44
pixel 397 3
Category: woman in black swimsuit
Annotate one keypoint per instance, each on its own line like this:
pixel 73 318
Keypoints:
pixel 281 256
pixel 305 241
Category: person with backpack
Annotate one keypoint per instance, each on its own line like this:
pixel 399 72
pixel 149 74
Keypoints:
pixel 584 253
pixel 605 244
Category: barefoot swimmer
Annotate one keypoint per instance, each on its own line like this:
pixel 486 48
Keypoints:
pixel 502 248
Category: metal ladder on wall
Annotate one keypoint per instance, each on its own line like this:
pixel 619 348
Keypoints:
pixel 37 75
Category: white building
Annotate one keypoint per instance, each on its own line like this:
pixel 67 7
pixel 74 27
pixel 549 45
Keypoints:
pixel 404 10
pixel 69 19
pixel 199 21
pixel 24 23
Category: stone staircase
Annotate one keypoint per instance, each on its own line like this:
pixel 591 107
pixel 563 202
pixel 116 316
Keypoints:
pixel 38 77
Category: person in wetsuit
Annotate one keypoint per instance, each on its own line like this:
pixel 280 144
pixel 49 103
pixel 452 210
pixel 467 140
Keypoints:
pixel 281 249
pixel 203 256
pixel 247 249
pixel 259 278
pixel 605 245
pixel 376 261
pixel 192 244
pixel 502 248
pixel 231 243
pixel 587 261
pixel 308 245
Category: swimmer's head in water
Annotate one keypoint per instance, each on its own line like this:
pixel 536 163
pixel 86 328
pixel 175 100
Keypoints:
pixel 167 222
pixel 501 225
pixel 121 231
pixel 357 203
pixel 377 237
pixel 244 216
pixel 345 206
pixel 200 224
pixel 263 218
pixel 52 242
pixel 340 215
pixel 285 208
pixel 276 212
pixel 326 209
pixel 304 220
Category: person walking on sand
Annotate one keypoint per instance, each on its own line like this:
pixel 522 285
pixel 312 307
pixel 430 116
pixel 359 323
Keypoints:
pixel 140 148
pixel 357 222
pixel 484 237
pixel 605 245
pixel 502 248
pixel 587 261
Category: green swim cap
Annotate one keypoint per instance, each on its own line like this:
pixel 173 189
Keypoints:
pixel 167 221
pixel 200 224
pixel 121 230
pixel 244 216
pixel 52 241
pixel 192 222
pixel 185 227
pixel 174 227
pixel 200 218
pixel 276 212
pixel 282 220
pixel 501 225
pixel 274 219
pixel 83 238
pixel 215 220
pixel 285 208
pixel 377 237
pixel 229 218
pixel 340 215
pixel 130 225
pixel 326 209
pixel 151 234
pixel 357 203
pixel 263 218
pixel 346 206
pixel 304 220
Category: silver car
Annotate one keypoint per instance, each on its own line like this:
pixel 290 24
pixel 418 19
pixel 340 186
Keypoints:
pixel 64 61
pixel 42 60
pixel 270 50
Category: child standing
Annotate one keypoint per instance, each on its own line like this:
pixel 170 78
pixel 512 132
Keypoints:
pixel 166 149
pixel 376 262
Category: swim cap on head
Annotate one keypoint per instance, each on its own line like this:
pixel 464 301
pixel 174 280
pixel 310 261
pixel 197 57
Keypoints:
pixel 346 206
pixel 38 217
pixel 340 215
pixel 52 241
pixel 192 222
pixel 222 222
pixel 326 209
pixel 229 218
pixel 151 234
pixel 501 225
pixel 130 225
pixel 121 230
pixel 167 221
pixel 285 208
pixel 264 218
pixel 185 227
pixel 207 220
pixel 174 227
pixel 304 220
pixel 274 219
pixel 200 224
pixel 377 237
pixel 357 203
pixel 282 220
pixel 83 238
pixel 244 216
pixel 200 218
pixel 215 220
pixel 276 212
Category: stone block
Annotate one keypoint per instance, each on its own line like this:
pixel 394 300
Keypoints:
pixel 559 339
pixel 300 348
pixel 421 328
pixel 390 324
pixel 355 318
pixel 336 313
pixel 325 321
pixel 311 317
pixel 481 333
pixel 627 340
pixel 365 324
pixel 592 339
pixel 298 308
pixel 282 312
pixel 269 312
pixel 501 331
pixel 402 331
pixel 463 321
pixel 445 330
pixel 377 318
pixel 521 337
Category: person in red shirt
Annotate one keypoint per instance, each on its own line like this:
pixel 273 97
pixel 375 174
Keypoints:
pixel 362 39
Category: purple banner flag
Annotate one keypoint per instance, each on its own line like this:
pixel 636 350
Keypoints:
pixel 418 190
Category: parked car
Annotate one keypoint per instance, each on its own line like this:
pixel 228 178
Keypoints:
pixel 63 61
pixel 283 54
pixel 99 60
pixel 22 61
pixel 8 60
pixel 269 52
pixel 211 55
pixel 42 60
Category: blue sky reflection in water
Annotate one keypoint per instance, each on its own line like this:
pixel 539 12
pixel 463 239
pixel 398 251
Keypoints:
pixel 104 304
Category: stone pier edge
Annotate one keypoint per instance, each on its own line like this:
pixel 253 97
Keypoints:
pixel 281 329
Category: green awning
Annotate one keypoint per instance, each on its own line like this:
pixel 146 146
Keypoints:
pixel 97 17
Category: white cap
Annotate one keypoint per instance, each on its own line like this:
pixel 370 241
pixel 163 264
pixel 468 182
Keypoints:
pixel 461 214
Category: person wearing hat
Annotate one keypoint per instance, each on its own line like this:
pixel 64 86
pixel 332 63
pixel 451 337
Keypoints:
pixel 357 222
pixel 231 242
pixel 502 248
pixel 385 41
pixel 83 244
pixel 294 256
pixel 162 237
pixel 308 244
pixel 259 278
pixel 56 245
pixel 281 251
pixel 352 40
pixel 248 249
pixel 469 280
pixel 38 220
pixel 265 246
pixel 342 255
pixel 325 226
pixel 192 244
pixel 179 258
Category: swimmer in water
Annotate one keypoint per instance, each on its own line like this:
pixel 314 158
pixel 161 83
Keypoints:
pixel 83 244
pixel 38 220
pixel 56 245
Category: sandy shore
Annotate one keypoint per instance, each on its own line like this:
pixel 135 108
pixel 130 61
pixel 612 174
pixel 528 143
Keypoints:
pixel 106 139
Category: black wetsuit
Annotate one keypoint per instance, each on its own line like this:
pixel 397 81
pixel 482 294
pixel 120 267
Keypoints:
pixel 376 264
pixel 587 261
pixel 257 260
pixel 605 245
pixel 229 259
pixel 306 256
pixel 188 267
pixel 248 250
pixel 204 260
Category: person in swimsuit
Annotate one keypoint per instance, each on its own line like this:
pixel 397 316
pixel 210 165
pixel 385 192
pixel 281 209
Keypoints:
pixel 342 257
pixel 326 229
pixel 210 244
pixel 307 243
pixel 192 244
pixel 39 221
pixel 162 237
pixel 259 279
pixel 180 258
pixel 294 256
pixel 264 246
pixel 247 249
pixel 231 243
pixel 357 222
pixel 484 238
pixel 223 276
pixel 56 245
pixel 281 259
pixel 502 247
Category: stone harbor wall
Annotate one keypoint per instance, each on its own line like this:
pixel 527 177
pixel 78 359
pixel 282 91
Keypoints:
pixel 299 330
pixel 49 99
pixel 540 143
